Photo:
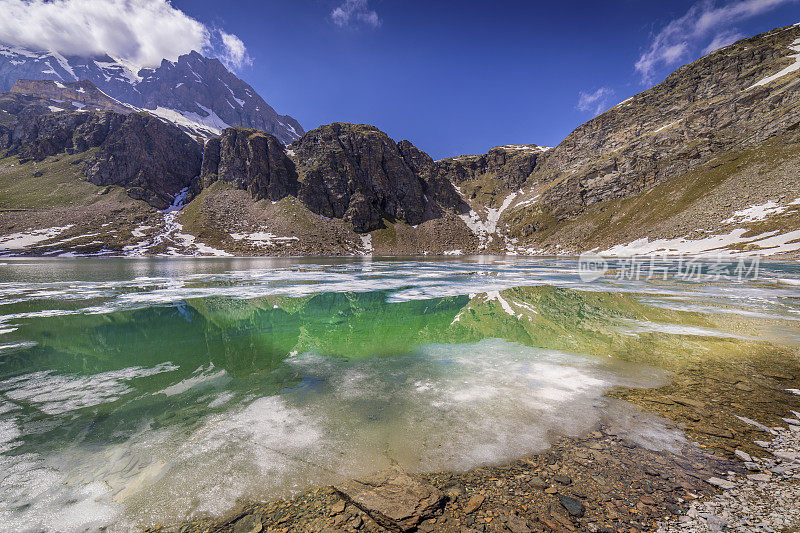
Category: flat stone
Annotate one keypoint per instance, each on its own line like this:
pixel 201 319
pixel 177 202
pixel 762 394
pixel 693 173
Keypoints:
pixel 786 456
pixel 551 490
pixel 474 503
pixel 761 478
pixel 338 507
pixel 573 505
pixel 743 456
pixel 561 478
pixel 753 423
pixel 792 421
pixel 537 483
pixel 454 491
pixel 721 483
pixel 395 500
pixel 517 524
pixel 688 402
pixel 714 432
pixel 248 524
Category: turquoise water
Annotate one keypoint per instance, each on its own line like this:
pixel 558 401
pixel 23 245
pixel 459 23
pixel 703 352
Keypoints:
pixel 135 392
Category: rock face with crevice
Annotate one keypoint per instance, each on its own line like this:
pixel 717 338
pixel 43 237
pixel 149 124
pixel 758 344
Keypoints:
pixel 250 160
pixel 356 172
pixel 151 159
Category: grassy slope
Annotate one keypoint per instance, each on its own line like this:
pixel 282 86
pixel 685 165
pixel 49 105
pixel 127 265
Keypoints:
pixel 693 204
pixel 50 193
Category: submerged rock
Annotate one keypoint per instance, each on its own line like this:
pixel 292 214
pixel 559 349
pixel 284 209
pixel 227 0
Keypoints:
pixel 573 505
pixel 248 524
pixel 394 499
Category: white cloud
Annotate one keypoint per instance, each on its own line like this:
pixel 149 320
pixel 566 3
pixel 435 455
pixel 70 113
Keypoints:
pixel 687 34
pixel 353 13
pixel 595 102
pixel 141 31
pixel 723 39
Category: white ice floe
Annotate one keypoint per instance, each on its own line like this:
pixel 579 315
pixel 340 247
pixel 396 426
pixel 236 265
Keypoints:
pixel 55 394
pixel 640 326
pixel 26 239
pixel 795 47
pixel 201 378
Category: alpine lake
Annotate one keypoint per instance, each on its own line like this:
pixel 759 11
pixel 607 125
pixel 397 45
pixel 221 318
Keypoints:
pixel 142 392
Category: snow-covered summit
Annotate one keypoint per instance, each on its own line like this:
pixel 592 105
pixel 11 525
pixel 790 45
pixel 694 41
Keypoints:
pixel 197 88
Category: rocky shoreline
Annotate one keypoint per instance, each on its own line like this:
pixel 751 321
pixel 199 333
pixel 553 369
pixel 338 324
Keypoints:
pixel 739 470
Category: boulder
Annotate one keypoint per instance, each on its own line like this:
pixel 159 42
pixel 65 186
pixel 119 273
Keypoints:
pixel 395 500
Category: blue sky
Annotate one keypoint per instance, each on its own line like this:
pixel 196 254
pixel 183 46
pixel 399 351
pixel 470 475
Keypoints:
pixel 452 77
pixel 462 77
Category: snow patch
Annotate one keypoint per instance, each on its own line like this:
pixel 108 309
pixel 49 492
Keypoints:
pixel 22 240
pixel 795 47
pixel 755 213
pixel 261 238
pixel 366 242
pixel 769 243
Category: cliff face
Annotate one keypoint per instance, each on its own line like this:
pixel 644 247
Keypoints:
pixel 358 173
pixel 250 160
pixel 151 159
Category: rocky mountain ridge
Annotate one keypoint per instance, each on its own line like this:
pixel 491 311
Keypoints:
pixel 196 88
pixel 707 160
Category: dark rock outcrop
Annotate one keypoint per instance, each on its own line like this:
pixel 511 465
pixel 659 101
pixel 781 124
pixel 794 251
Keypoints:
pixel 37 136
pixel 348 171
pixel 151 159
pixel 251 160
pixel 437 185
pixel 357 172
pixel 511 164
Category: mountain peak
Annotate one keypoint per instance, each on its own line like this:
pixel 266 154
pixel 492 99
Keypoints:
pixel 193 88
